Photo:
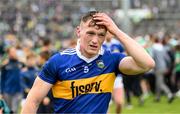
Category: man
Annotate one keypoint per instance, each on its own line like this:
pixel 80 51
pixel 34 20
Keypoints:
pixel 82 79
pixel 11 88
pixel 114 46
pixel 161 58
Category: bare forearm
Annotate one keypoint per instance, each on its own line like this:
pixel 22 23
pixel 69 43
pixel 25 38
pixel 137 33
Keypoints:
pixel 136 51
pixel 35 96
pixel 30 107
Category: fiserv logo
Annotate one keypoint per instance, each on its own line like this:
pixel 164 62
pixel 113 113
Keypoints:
pixel 70 89
pixel 84 89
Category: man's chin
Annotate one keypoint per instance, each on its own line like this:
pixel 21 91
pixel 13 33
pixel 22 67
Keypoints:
pixel 93 53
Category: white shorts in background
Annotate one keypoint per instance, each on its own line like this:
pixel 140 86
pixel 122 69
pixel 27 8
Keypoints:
pixel 118 82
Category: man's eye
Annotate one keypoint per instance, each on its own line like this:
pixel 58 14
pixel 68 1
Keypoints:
pixel 102 35
pixel 91 33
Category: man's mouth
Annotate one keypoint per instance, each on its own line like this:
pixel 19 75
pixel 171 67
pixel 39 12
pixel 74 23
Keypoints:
pixel 93 46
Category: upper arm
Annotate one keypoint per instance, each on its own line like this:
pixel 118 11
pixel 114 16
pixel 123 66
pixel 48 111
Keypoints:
pixel 38 91
pixel 128 66
pixel 35 96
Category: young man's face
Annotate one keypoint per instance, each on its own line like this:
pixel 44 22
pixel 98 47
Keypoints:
pixel 91 38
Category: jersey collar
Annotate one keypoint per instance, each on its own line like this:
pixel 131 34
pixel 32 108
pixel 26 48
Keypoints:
pixel 88 60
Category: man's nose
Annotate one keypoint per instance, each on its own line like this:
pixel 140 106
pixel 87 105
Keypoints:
pixel 95 39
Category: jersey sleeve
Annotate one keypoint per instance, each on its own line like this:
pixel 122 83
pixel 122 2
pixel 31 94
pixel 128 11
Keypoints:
pixel 117 59
pixel 49 70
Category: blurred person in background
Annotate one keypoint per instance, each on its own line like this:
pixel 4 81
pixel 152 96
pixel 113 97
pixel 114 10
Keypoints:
pixel 11 80
pixel 161 58
pixel 82 79
pixel 46 46
pixel 21 54
pixel 170 50
pixel 177 69
pixel 26 49
pixel 29 74
pixel 149 76
pixel 114 46
pixel 142 40
pixel 132 87
pixel 42 58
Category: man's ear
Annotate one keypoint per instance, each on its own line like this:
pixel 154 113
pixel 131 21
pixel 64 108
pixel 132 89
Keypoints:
pixel 78 31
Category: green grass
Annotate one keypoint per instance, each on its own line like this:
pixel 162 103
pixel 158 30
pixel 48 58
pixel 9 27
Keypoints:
pixel 151 107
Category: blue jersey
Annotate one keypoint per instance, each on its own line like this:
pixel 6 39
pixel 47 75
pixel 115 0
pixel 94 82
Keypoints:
pixel 81 85
pixel 11 77
pixel 28 77
pixel 113 46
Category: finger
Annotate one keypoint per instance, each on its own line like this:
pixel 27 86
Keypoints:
pixel 100 23
pixel 101 19
pixel 105 23
pixel 97 18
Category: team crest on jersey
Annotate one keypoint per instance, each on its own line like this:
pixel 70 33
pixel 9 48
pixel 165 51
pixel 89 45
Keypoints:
pixel 100 64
